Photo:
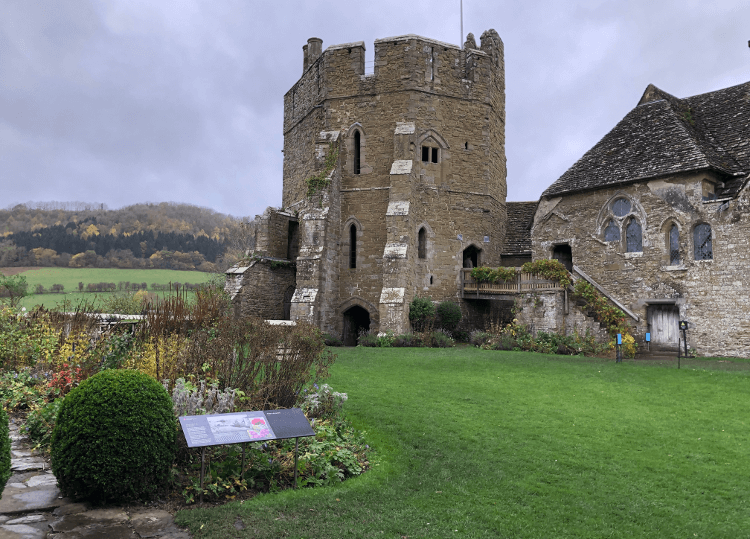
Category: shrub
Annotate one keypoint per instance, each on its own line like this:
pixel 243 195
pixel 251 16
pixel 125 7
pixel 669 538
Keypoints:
pixel 114 438
pixel 407 340
pixel 367 338
pixel 323 402
pixel 421 312
pixel 441 339
pixel 40 423
pixel 479 337
pixel 448 315
pixel 331 340
pixel 549 269
pixel 4 450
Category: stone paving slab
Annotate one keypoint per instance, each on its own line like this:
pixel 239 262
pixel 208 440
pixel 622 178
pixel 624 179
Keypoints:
pixel 21 531
pixel 32 507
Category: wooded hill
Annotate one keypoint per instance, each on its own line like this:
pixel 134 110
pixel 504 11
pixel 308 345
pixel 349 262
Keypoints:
pixel 165 235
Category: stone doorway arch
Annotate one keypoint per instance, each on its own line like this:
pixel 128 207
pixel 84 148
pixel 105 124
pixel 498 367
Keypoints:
pixel 356 320
pixel 471 258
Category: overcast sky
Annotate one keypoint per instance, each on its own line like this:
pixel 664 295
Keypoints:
pixel 149 100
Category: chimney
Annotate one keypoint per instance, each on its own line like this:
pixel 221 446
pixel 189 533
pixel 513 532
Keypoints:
pixel 305 63
pixel 314 49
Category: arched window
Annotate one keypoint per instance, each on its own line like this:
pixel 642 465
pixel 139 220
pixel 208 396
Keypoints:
pixel 702 242
pixel 633 237
pixel 353 246
pixel 357 151
pixel 674 246
pixel 612 231
pixel 422 243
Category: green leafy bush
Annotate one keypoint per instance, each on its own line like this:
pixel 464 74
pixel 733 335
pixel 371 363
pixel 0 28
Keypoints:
pixel 441 339
pixel 114 438
pixel 549 269
pixel 421 312
pixel 407 340
pixel 4 450
pixel 331 340
pixel 448 315
pixel 485 274
pixel 40 423
pixel 367 338
pixel 22 390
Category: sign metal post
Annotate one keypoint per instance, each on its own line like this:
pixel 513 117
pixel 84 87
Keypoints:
pixel 619 348
pixel 242 427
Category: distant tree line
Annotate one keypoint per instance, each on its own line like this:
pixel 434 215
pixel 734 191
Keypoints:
pixel 166 235
pixel 141 244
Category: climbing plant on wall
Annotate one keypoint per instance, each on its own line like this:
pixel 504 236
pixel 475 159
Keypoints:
pixel 320 181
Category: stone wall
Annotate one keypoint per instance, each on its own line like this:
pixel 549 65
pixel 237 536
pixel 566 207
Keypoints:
pixel 423 92
pixel 711 294
pixel 262 288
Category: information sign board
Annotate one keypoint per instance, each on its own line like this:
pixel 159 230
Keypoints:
pixel 235 428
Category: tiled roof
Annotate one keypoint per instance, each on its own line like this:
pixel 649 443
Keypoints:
pixel 518 233
pixel 666 135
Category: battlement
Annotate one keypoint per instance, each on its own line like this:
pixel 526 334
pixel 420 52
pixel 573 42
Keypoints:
pixel 402 63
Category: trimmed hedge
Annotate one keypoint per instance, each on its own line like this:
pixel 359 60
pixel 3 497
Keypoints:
pixel 4 450
pixel 114 438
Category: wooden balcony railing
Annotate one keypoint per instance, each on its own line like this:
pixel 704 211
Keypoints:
pixel 523 282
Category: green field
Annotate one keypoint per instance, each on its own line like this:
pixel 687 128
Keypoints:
pixel 70 277
pixel 473 443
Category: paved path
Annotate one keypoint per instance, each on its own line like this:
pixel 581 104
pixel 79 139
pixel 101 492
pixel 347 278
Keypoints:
pixel 32 507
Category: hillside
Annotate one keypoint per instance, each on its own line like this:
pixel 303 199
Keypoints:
pixel 165 235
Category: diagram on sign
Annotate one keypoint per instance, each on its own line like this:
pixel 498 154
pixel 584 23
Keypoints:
pixel 228 428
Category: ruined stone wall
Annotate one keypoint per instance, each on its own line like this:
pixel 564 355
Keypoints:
pixel 261 290
pixel 272 233
pixel 711 294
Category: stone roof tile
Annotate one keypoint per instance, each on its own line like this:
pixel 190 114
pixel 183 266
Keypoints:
pixel 518 233
pixel 667 135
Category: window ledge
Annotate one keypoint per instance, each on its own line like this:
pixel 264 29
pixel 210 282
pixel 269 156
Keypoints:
pixel 633 255
pixel 674 268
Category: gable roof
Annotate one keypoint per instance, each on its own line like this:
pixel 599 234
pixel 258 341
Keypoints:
pixel 518 232
pixel 666 135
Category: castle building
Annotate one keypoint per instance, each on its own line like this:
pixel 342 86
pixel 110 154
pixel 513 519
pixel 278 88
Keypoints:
pixel 393 182
pixel 656 213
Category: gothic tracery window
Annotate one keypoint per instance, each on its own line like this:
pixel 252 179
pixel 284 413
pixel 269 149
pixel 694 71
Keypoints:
pixel 612 231
pixel 621 207
pixel 702 242
pixel 633 237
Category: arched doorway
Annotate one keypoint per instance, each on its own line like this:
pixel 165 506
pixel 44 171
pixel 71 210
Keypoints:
pixel 471 257
pixel 563 254
pixel 356 319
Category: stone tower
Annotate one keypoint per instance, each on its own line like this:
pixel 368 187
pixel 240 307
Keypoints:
pixel 393 181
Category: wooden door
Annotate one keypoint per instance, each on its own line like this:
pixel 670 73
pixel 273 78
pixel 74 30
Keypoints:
pixel 663 321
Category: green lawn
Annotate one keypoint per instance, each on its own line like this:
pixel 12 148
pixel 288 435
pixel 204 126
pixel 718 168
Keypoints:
pixel 70 277
pixel 474 443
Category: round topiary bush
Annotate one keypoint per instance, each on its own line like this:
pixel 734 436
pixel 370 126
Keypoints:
pixel 4 450
pixel 114 438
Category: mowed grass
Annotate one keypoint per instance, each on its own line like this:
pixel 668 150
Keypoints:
pixel 70 277
pixel 474 443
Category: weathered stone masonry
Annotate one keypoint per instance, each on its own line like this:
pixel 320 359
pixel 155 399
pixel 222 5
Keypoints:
pixel 420 147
